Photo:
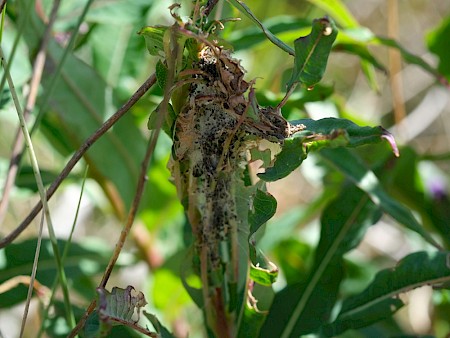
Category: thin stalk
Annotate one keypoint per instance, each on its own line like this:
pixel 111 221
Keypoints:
pixel 395 64
pixel 40 185
pixel 64 255
pixel 36 76
pixel 32 277
pixel 127 227
pixel 77 156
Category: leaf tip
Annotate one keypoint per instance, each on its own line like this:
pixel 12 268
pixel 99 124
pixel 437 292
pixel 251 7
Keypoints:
pixel 390 138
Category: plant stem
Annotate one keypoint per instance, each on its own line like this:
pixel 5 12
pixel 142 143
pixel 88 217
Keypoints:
pixel 77 156
pixel 40 184
pixel 36 76
pixel 127 227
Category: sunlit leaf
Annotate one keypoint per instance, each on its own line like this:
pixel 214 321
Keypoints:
pixel 338 11
pixel 264 276
pixel 154 39
pixel 311 53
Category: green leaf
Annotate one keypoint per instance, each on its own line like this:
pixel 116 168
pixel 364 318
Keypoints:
pixel 338 11
pixel 357 135
pixel 264 207
pixel 360 49
pixel 26 178
pixel 154 39
pixel 328 132
pixel 167 123
pixel 356 40
pixel 344 223
pixel 161 74
pixel 294 258
pixel 379 300
pixel 311 53
pixel 410 57
pixel 161 329
pixel 248 13
pixel 252 322
pixel 437 41
pixel 286 161
pixel 352 167
pixel 264 276
pixel 319 304
pixel 77 108
pixel 251 36
pixel 82 261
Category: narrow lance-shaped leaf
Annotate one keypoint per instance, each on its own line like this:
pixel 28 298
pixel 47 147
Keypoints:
pixel 328 132
pixel 311 53
pixel 352 167
pixel 344 223
pixel 379 300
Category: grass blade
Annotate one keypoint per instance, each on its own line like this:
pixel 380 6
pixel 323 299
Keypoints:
pixel 42 194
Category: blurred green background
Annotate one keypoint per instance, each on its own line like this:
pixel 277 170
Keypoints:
pixel 108 63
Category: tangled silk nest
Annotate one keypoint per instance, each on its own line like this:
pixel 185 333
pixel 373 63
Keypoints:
pixel 218 123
